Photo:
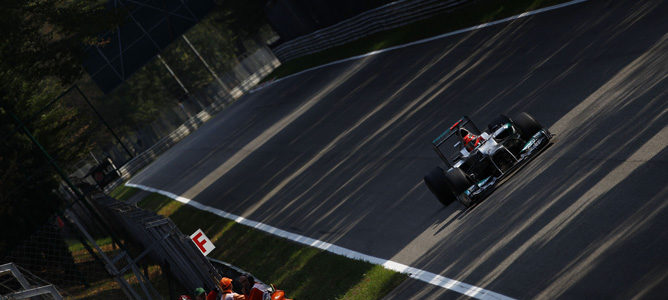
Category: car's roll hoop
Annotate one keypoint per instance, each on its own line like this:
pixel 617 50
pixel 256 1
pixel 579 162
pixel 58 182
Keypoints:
pixel 453 130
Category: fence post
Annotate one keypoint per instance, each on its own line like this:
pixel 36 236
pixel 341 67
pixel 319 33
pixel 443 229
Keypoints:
pixel 206 65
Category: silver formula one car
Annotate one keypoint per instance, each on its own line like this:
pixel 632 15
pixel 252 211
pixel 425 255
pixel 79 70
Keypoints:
pixel 477 161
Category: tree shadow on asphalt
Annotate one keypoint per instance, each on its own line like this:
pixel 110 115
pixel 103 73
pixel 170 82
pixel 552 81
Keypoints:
pixel 350 164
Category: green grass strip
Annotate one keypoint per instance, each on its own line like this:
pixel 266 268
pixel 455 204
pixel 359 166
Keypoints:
pixel 303 272
pixel 467 15
pixel 123 193
pixel 75 245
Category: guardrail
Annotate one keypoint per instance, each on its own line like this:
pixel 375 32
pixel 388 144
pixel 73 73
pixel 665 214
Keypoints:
pixel 138 162
pixel 386 17
pixel 149 155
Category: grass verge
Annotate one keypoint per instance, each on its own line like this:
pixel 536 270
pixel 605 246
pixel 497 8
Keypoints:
pixel 123 192
pixel 303 272
pixel 467 15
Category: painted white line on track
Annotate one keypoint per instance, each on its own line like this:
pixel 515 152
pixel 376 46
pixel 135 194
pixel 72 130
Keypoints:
pixel 422 41
pixel 428 277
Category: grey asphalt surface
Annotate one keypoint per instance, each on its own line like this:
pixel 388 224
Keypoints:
pixel 338 154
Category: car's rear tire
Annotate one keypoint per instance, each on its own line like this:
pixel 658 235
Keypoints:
pixel 498 122
pixel 527 125
pixel 437 183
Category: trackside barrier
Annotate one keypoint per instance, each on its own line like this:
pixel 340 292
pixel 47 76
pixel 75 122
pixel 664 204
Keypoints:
pixel 251 80
pixel 149 155
pixel 386 17
pixel 230 271
pixel 161 242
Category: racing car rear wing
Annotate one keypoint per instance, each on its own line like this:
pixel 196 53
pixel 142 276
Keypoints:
pixel 437 142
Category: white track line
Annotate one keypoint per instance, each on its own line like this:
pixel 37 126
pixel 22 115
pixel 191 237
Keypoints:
pixel 484 25
pixel 422 275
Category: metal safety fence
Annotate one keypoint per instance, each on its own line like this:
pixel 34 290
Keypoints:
pixel 188 114
pixel 160 242
pixel 386 17
pixel 247 74
pixel 59 255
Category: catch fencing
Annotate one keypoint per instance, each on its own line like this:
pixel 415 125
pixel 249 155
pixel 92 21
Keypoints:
pixel 386 17
pixel 162 243
pixel 188 115
pixel 60 256
pixel 246 75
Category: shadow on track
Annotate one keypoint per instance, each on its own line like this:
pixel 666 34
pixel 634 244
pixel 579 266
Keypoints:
pixel 338 154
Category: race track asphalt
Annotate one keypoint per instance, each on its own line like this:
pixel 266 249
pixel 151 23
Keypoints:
pixel 338 154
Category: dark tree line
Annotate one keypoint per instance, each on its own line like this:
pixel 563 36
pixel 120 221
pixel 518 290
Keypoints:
pixel 40 57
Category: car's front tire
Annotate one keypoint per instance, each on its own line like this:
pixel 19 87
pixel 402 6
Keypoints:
pixel 459 182
pixel 437 183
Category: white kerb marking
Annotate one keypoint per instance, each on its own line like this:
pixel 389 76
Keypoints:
pixel 422 275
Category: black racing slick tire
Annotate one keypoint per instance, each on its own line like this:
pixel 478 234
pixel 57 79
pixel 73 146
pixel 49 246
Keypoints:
pixel 527 125
pixel 498 122
pixel 459 182
pixel 437 183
